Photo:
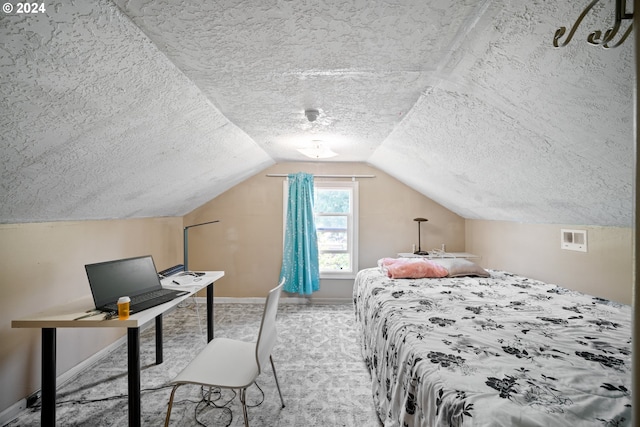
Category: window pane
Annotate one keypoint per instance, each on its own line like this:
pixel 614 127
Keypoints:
pixel 334 262
pixel 331 200
pixel 332 241
pixel 331 222
pixel 332 233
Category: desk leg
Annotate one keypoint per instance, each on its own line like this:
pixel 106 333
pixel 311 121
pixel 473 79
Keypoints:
pixel 133 361
pixel 159 358
pixel 210 312
pixel 48 414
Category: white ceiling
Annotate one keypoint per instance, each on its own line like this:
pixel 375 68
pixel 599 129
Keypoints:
pixel 134 108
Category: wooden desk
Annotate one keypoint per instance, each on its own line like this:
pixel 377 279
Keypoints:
pixel 64 316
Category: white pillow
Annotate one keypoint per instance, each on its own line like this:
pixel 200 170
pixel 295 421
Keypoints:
pixel 458 267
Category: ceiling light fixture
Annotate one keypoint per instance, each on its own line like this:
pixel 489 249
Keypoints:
pixel 318 151
pixel 312 115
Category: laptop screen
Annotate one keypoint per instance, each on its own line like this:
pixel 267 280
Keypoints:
pixel 111 280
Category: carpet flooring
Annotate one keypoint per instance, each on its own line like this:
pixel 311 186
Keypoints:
pixel 322 376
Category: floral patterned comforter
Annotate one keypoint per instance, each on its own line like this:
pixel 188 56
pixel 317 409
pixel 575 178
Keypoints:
pixel 498 351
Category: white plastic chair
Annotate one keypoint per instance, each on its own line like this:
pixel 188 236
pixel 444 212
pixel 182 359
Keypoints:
pixel 228 363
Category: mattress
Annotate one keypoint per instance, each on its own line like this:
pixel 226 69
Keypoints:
pixel 498 351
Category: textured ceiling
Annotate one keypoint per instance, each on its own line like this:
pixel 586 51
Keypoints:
pixel 120 109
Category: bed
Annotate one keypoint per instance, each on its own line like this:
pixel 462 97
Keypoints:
pixel 501 350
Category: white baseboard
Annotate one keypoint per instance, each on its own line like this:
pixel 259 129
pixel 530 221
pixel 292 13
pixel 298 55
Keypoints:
pixel 288 300
pixel 12 412
pixel 321 300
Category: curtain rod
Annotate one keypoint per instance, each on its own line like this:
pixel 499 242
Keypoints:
pixel 284 175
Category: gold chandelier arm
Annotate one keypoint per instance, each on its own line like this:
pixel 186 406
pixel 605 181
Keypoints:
pixel 562 30
pixel 622 39
pixel 596 38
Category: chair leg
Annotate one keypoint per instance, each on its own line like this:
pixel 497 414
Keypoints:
pixel 276 378
pixel 243 400
pixel 173 392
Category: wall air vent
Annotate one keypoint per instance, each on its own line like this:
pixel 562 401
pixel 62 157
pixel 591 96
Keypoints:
pixel 573 240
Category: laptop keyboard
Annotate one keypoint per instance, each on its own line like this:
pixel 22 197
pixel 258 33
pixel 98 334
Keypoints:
pixel 148 300
pixel 151 295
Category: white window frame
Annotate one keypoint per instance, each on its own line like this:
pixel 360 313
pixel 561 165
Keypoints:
pixel 352 224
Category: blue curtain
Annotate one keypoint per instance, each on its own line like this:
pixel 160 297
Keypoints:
pixel 300 257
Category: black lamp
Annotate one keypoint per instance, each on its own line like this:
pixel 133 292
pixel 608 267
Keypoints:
pixel 420 251
pixel 186 242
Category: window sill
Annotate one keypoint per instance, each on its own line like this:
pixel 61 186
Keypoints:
pixel 338 276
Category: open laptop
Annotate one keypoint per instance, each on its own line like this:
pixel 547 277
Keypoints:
pixel 135 278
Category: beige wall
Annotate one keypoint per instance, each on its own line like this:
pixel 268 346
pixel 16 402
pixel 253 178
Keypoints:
pixel 247 243
pixel 43 265
pixel 533 250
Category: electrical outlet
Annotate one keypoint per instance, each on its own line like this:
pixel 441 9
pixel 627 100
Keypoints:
pixel 573 240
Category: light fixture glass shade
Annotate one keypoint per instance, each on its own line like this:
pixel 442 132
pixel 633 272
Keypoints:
pixel 318 151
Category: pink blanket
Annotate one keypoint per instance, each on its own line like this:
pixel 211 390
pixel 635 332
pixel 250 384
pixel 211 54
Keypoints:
pixel 411 268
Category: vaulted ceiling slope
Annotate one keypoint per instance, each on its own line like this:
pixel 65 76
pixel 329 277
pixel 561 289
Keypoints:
pixel 135 108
